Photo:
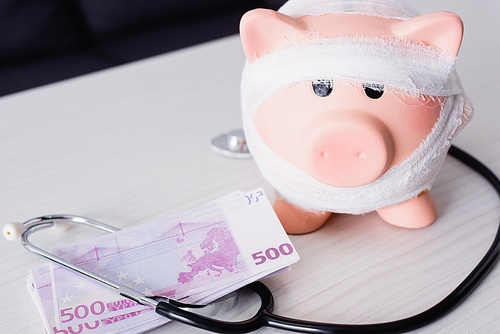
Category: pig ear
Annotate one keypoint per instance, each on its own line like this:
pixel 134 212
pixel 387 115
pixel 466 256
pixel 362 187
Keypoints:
pixel 264 30
pixel 440 29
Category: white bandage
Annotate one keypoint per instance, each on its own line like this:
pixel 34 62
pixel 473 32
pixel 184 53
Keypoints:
pixel 410 67
pixel 391 9
pixel 402 66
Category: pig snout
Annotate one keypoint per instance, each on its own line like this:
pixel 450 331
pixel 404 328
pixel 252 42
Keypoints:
pixel 347 149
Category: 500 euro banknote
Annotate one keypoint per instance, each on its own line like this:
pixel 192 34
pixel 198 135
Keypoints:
pixel 195 257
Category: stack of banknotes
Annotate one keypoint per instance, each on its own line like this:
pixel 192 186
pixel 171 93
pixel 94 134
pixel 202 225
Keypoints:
pixel 195 257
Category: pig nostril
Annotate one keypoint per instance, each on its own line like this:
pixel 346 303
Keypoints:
pixel 362 155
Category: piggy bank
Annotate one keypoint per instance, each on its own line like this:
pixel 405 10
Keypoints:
pixel 350 107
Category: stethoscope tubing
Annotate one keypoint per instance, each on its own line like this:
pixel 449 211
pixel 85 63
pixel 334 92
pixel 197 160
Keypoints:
pixel 265 317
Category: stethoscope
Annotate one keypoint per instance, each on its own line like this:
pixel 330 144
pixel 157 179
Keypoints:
pixel 265 317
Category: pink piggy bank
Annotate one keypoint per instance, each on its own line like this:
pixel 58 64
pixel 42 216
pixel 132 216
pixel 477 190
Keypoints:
pixel 351 107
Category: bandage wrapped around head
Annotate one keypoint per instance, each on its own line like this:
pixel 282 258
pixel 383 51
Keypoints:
pixel 403 66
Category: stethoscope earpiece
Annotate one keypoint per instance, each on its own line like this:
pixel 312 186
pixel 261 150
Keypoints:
pixel 13 231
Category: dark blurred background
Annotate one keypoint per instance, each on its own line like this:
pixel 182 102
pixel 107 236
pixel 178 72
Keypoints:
pixel 43 41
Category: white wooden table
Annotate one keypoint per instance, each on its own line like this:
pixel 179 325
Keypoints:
pixel 131 144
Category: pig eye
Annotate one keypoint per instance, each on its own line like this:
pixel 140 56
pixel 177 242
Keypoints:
pixel 322 88
pixel 373 91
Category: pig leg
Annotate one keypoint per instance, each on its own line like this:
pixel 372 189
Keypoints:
pixel 417 212
pixel 296 220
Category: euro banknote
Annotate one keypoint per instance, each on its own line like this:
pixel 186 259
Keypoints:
pixel 39 286
pixel 195 256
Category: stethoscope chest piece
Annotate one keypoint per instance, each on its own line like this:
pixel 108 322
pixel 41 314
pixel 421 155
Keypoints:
pixel 232 144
